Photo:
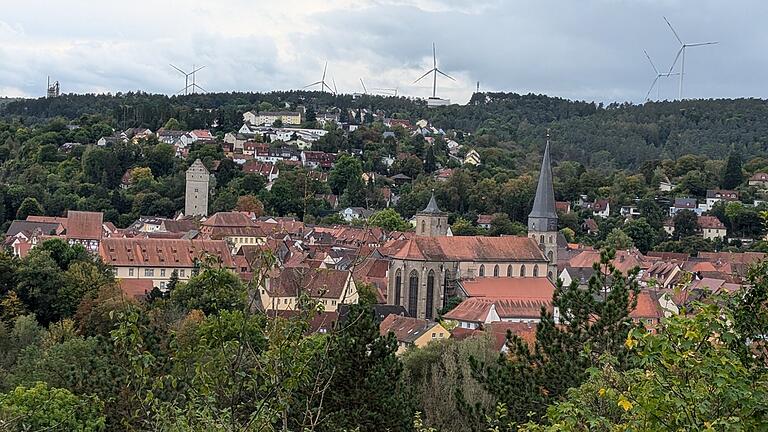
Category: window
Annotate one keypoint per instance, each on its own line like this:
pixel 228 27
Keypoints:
pixel 509 271
pixel 130 272
pixel 541 239
pixel 482 270
pixel 398 285
pixel 413 293
pixel 496 270
pixel 434 335
pixel 149 272
pixel 162 272
pixel 430 293
pixel 549 255
pixel 182 273
pixel 522 270
pixel 423 227
pixel 536 270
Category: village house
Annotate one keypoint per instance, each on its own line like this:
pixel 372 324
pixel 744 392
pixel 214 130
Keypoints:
pixel 328 286
pixel 236 228
pixel 709 227
pixel 472 158
pixel 352 213
pixel 412 332
pixel 268 170
pixel 601 208
pixel 717 195
pixel 759 180
pixel 268 118
pixel 157 259
pixel 684 204
pixel 317 159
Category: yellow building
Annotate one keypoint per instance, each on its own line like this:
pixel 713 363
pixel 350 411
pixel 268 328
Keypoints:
pixel 412 332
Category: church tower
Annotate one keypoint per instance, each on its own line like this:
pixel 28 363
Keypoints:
pixel 198 183
pixel 542 221
pixel 431 222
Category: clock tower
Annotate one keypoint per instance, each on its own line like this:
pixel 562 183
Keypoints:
pixel 542 221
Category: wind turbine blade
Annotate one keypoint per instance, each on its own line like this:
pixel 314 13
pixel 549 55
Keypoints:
pixel 425 74
pixel 445 74
pixel 326 86
pixel 676 57
pixel 650 61
pixel 197 70
pixel 673 31
pixel 701 44
pixel 333 80
pixel 324 69
pixel 182 72
pixel 653 84
pixel 313 84
pixel 434 56
pixel 365 91
pixel 182 90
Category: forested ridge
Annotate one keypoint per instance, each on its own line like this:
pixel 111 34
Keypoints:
pixel 616 135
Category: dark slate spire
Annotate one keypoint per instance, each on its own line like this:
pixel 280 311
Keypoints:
pixel 432 206
pixel 544 203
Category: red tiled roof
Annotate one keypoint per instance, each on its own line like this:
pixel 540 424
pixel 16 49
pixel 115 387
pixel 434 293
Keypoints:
pixel 648 306
pixel 509 287
pixel 318 283
pixel 710 222
pixel 475 309
pixel 406 329
pixel 136 288
pixel 145 252
pixel 484 219
pixel 84 225
pixel 624 261
pixel 49 219
pixel 469 248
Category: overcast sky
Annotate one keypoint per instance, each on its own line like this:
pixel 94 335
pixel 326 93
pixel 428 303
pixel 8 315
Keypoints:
pixel 585 49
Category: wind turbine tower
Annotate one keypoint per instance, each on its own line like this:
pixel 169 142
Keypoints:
pixel 434 100
pixel 323 85
pixel 655 82
pixel 681 52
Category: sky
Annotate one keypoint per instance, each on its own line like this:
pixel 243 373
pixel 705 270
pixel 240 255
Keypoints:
pixel 577 49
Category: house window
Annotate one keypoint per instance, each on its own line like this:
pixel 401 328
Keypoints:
pixel 430 293
pixel 413 293
pixel 509 271
pixel 550 255
pixel 423 227
pixel 482 270
pixel 496 270
pixel 434 335
pixel 398 285
pixel 536 270
pixel 130 272
pixel 182 273
pixel 149 272
pixel 522 270
pixel 162 272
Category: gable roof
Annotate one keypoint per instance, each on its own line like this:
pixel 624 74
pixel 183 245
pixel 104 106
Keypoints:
pixel 146 252
pixel 19 226
pixel 464 248
pixel 82 225
pixel 509 287
pixel 318 283
pixel 405 329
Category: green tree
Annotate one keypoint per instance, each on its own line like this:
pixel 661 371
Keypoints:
pixel 214 289
pixel 43 408
pixel 686 224
pixel 30 206
pixel 732 175
pixel 502 225
pixel 345 169
pixel 173 124
pixel 389 220
pixel 642 234
pixel 592 322
pixel 618 239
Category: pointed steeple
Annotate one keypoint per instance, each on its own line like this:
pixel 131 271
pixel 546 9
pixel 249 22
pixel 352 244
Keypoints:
pixel 544 203
pixel 432 205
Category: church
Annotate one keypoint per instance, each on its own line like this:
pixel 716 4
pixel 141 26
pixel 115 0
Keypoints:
pixel 424 270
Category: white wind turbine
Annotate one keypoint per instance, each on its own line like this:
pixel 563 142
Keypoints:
pixel 680 52
pixel 322 83
pixel 434 71
pixel 655 82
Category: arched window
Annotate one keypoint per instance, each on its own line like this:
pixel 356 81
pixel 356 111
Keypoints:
pixel 536 270
pixel 549 255
pixel 549 275
pixel 522 270
pixel 541 239
pixel 445 287
pixel 413 294
pixel 482 270
pixel 551 239
pixel 496 270
pixel 398 286
pixel 509 270
pixel 423 227
pixel 430 294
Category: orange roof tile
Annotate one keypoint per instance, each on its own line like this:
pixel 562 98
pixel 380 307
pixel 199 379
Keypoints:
pixel 84 225
pixel 467 248
pixel 509 287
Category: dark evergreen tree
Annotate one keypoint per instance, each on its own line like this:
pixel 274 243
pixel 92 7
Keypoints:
pixel 732 175
pixel 590 323
pixel 686 224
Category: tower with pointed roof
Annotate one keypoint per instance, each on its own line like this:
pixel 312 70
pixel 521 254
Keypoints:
pixel 197 188
pixel 542 221
pixel 432 222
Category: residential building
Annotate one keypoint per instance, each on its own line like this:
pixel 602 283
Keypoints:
pixel 236 228
pixel 351 213
pixel 268 118
pixel 484 221
pixel 563 207
pixel 412 332
pixel 328 286
pixel 317 159
pixel 601 208
pixel 85 228
pixel 759 180
pixel 717 195
pixel 270 171
pixel 472 158
pixel 711 228
pixel 684 204
pixel 203 135
pixel 157 259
